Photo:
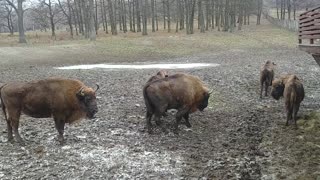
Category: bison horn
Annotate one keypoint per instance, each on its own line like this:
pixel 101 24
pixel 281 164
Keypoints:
pixel 98 87
pixel 80 92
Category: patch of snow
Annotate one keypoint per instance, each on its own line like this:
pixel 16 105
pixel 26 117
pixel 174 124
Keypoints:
pixel 140 66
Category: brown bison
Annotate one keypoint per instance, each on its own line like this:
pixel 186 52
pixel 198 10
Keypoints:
pixel 266 77
pixel 291 88
pixel 66 100
pixel 183 92
pixel 161 74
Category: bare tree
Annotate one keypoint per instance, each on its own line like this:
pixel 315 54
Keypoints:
pixel 144 23
pixel 8 15
pixel 68 14
pixel 51 16
pixel 92 30
pixel 18 7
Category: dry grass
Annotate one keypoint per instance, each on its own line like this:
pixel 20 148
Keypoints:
pixel 135 47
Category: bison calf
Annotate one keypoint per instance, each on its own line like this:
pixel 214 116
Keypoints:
pixel 66 100
pixel 291 88
pixel 266 77
pixel 161 74
pixel 183 92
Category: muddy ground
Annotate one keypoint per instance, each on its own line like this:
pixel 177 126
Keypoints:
pixel 239 136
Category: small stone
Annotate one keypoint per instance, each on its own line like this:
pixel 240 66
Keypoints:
pixel 66 147
pixel 137 105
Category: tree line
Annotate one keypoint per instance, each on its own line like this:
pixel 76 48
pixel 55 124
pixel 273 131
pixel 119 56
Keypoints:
pixel 88 17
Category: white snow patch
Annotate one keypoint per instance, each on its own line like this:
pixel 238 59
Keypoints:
pixel 125 162
pixel 140 66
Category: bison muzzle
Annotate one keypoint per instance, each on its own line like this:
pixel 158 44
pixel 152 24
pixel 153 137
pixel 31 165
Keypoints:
pixel 66 100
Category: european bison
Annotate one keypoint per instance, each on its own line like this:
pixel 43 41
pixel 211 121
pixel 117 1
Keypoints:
pixel 292 89
pixel 161 74
pixel 66 100
pixel 266 77
pixel 183 92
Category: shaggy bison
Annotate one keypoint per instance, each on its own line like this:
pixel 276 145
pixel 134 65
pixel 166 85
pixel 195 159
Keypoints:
pixel 183 92
pixel 291 88
pixel 161 74
pixel 66 100
pixel 266 77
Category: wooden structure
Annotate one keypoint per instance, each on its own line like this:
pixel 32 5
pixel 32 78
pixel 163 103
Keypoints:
pixel 309 32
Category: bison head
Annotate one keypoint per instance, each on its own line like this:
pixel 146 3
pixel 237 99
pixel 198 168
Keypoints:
pixel 88 99
pixel 204 103
pixel 277 89
pixel 162 74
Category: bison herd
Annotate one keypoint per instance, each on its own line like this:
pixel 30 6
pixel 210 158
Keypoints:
pixel 69 100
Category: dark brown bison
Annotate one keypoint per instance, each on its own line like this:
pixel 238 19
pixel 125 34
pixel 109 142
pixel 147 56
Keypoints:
pixel 183 92
pixel 161 74
pixel 291 88
pixel 266 77
pixel 66 100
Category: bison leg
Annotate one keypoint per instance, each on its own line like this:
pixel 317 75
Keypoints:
pixel 181 112
pixel 9 129
pixel 13 118
pixel 261 89
pixel 266 87
pixel 148 121
pixel 295 112
pixel 289 116
pixel 186 117
pixel 60 128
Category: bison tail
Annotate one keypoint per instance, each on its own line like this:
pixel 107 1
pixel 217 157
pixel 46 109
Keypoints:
pixel 146 99
pixel 2 105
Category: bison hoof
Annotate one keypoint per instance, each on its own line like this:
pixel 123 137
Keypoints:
pixel 150 131
pixel 21 143
pixel 158 123
pixel 188 125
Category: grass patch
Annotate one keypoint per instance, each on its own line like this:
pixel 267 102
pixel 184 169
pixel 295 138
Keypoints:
pixel 130 47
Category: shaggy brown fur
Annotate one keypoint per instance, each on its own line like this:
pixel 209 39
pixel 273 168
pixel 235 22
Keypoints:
pixel 183 92
pixel 266 77
pixel 291 88
pixel 161 74
pixel 66 100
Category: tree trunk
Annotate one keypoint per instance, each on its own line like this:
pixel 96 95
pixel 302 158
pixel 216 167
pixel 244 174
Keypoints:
pixel 201 17
pixel 130 15
pixel 226 16
pixel 92 30
pixel 164 14
pixel 124 16
pixel 168 14
pixel 277 5
pixel 289 9
pixel 294 9
pixel 155 9
pixel 133 16
pixel 112 18
pixel 153 16
pixel 96 20
pixel 20 12
pixel 144 29
pixel 138 9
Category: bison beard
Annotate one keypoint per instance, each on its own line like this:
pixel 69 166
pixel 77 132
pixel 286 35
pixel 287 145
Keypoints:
pixel 291 88
pixel 183 92
pixel 65 100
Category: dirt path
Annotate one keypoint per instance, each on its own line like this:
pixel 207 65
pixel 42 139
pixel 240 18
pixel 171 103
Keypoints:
pixel 229 140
